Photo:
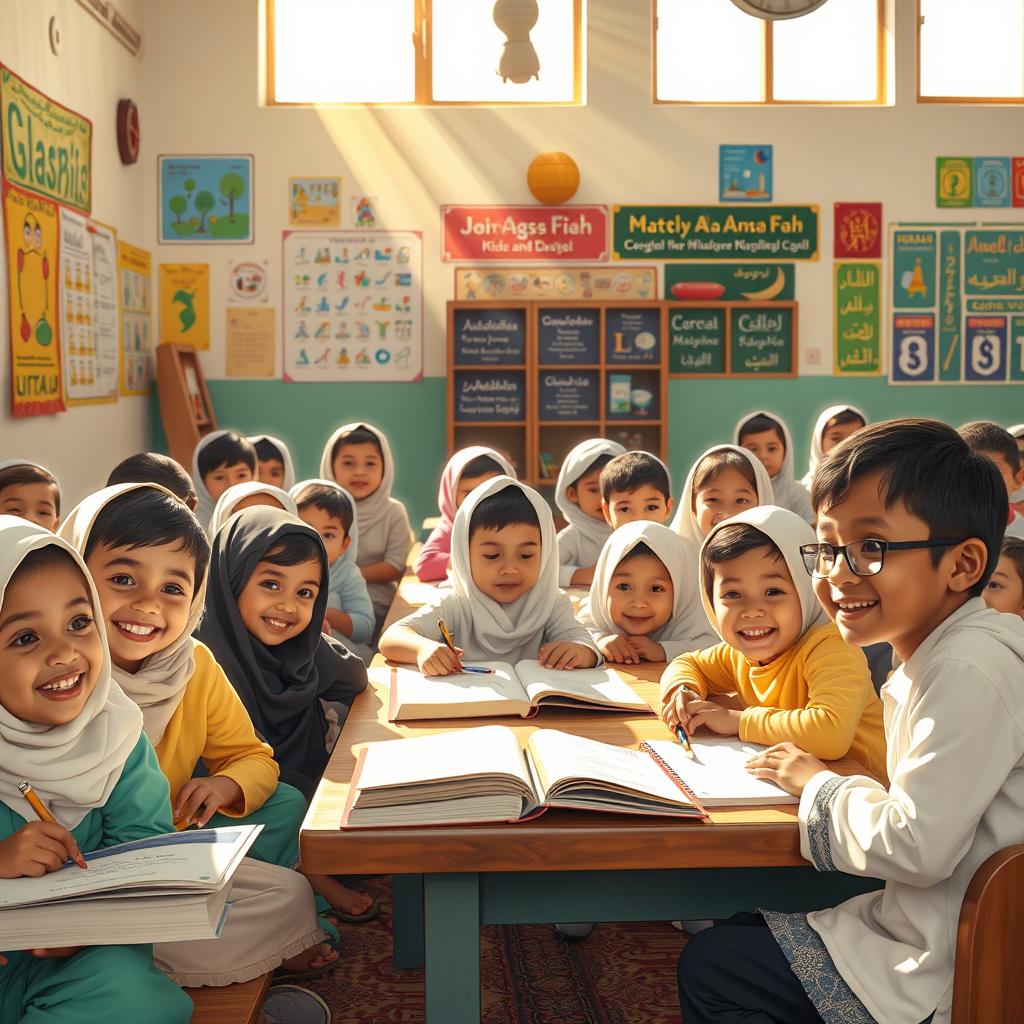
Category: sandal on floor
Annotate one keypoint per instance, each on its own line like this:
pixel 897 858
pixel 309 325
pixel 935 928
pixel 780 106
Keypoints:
pixel 290 1004
pixel 367 915
pixel 282 975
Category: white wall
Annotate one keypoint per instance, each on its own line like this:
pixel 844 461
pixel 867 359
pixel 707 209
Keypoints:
pixel 91 74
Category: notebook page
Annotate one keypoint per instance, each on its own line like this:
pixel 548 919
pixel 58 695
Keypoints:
pixel 416 689
pixel 585 683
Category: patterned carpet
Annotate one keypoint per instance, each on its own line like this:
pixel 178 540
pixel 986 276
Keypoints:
pixel 620 974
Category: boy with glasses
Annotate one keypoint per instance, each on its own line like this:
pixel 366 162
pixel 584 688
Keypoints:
pixel 909 524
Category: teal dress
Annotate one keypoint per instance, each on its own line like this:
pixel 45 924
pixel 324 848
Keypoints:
pixel 101 982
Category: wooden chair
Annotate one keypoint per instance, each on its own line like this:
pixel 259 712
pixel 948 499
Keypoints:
pixel 988 982
pixel 232 1004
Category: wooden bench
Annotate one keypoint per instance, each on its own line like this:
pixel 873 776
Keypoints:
pixel 231 1004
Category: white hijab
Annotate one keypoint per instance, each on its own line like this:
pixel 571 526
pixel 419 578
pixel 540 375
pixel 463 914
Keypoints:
pixel 227 502
pixel 593 532
pixel 205 501
pixel 286 456
pixel 372 511
pixel 816 438
pixel 347 561
pixel 788 492
pixel 159 683
pixel 684 522
pixel 679 556
pixel 72 767
pixel 502 627
pixel 788 531
pixel 1017 430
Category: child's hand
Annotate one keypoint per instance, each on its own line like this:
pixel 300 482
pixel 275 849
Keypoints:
pixel 36 849
pixel 55 952
pixel 723 721
pixel 676 711
pixel 647 649
pixel 787 766
pixel 215 792
pixel 618 649
pixel 566 654
pixel 439 660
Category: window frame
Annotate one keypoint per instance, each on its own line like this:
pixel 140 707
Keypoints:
pixel 767 27
pixel 991 101
pixel 423 55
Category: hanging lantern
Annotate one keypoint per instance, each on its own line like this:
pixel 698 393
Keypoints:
pixel 519 61
pixel 553 177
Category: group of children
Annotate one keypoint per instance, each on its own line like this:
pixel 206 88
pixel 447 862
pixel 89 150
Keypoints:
pixel 159 680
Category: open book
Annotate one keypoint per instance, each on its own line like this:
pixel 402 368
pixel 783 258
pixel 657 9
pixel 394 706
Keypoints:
pixel 479 775
pixel 506 691
pixel 166 888
pixel 717 773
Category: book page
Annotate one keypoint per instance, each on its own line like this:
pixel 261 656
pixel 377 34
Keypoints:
pixel 599 685
pixel 415 690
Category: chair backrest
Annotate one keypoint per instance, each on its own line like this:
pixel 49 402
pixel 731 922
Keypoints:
pixel 988 980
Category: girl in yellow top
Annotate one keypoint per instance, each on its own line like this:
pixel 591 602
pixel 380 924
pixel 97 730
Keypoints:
pixel 798 680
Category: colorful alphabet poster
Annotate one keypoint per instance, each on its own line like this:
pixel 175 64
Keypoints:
pixel 135 278
pixel 205 199
pixel 47 148
pixel 729 282
pixel 185 304
pixel 314 202
pixel 858 319
pixel 474 284
pixel 858 231
pixel 353 305
pixel 745 174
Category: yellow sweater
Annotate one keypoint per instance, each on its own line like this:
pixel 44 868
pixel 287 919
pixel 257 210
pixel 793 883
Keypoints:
pixel 211 723
pixel 818 695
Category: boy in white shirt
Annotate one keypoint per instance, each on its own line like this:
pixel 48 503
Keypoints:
pixel 909 523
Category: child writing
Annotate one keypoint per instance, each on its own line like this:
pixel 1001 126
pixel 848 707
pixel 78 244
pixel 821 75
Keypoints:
pixel 78 741
pixel 505 604
pixel 221 459
pixel 357 456
pixel 30 492
pixel 273 461
pixel 153 468
pixel 330 510
pixel 725 480
pixel 768 437
pixel 635 485
pixel 466 470
pixel 643 601
pixel 835 424
pixel 578 498
pixel 249 495
pixel 148 556
pixel 1005 590
pixel 797 677
pixel 1000 448
pixel 909 522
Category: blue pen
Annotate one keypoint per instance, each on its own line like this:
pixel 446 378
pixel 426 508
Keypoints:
pixel 478 670
pixel 449 641
pixel 685 742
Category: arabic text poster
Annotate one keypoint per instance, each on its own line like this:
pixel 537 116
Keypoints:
pixel 185 304
pixel 858 319
pixel 353 305
pixel 205 199
pixel 135 275
pixel 745 174
pixel 314 202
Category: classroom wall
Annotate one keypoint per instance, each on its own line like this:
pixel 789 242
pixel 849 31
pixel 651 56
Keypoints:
pixel 91 74
pixel 202 97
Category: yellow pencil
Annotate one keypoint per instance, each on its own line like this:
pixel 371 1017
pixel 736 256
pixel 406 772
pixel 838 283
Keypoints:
pixel 43 813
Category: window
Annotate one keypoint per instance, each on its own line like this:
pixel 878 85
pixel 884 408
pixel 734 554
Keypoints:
pixel 418 52
pixel 709 51
pixel 970 54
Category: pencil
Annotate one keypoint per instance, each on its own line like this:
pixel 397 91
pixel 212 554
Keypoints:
pixel 685 742
pixel 43 814
pixel 449 642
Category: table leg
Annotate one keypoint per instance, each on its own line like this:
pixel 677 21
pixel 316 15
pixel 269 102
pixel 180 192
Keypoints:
pixel 451 906
pixel 407 921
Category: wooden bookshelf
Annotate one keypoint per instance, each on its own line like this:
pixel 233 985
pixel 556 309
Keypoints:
pixel 185 407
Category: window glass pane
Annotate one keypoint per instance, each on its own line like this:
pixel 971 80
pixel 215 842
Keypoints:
pixel 830 55
pixel 344 51
pixel 709 51
pixel 468 46
pixel 974 49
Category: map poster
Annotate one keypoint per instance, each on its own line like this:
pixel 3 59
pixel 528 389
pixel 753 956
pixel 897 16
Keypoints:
pixel 185 304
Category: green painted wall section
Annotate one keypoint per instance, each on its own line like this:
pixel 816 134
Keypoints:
pixel 703 413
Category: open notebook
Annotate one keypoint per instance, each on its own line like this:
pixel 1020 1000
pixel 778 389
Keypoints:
pixel 519 690
pixel 472 776
pixel 166 888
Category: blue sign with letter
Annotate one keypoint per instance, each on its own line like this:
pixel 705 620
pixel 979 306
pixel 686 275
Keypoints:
pixel 986 353
pixel 913 348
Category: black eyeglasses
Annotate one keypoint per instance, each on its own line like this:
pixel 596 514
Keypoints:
pixel 864 557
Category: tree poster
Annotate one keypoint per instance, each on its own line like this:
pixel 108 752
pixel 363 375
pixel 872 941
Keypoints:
pixel 205 199
pixel 185 304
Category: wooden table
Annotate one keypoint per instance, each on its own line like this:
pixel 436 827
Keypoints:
pixel 563 866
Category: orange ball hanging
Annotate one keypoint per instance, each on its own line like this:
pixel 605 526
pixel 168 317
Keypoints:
pixel 553 178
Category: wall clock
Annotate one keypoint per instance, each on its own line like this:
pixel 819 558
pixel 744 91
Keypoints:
pixel 128 133
pixel 777 10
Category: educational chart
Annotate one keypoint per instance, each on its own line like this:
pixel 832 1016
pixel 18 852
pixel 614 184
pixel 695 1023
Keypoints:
pixel 185 304
pixel 474 284
pixel 104 360
pixel 75 288
pixel 858 318
pixel 353 305
pixel 205 199
pixel 135 279
pixel 314 202
pixel 250 341
pixel 957 304
pixel 32 238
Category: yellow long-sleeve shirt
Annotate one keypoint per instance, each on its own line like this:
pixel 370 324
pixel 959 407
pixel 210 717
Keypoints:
pixel 211 723
pixel 818 695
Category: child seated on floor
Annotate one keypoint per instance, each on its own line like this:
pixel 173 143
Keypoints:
pixel 578 498
pixel 221 459
pixel 154 468
pixel 30 492
pixel 909 522
pixel 78 740
pixel 725 480
pixel 465 471
pixel 1000 447
pixel 273 461
pixel 1005 590
pixel 249 495
pixel 643 601
pixel 505 603
pixel 835 424
pixel 768 437
pixel 635 485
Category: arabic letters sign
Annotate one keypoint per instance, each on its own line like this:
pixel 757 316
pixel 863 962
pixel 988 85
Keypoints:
pixel 729 282
pixel 508 233
pixel 858 231
pixel 761 341
pixel 858 318
pixel 697 340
